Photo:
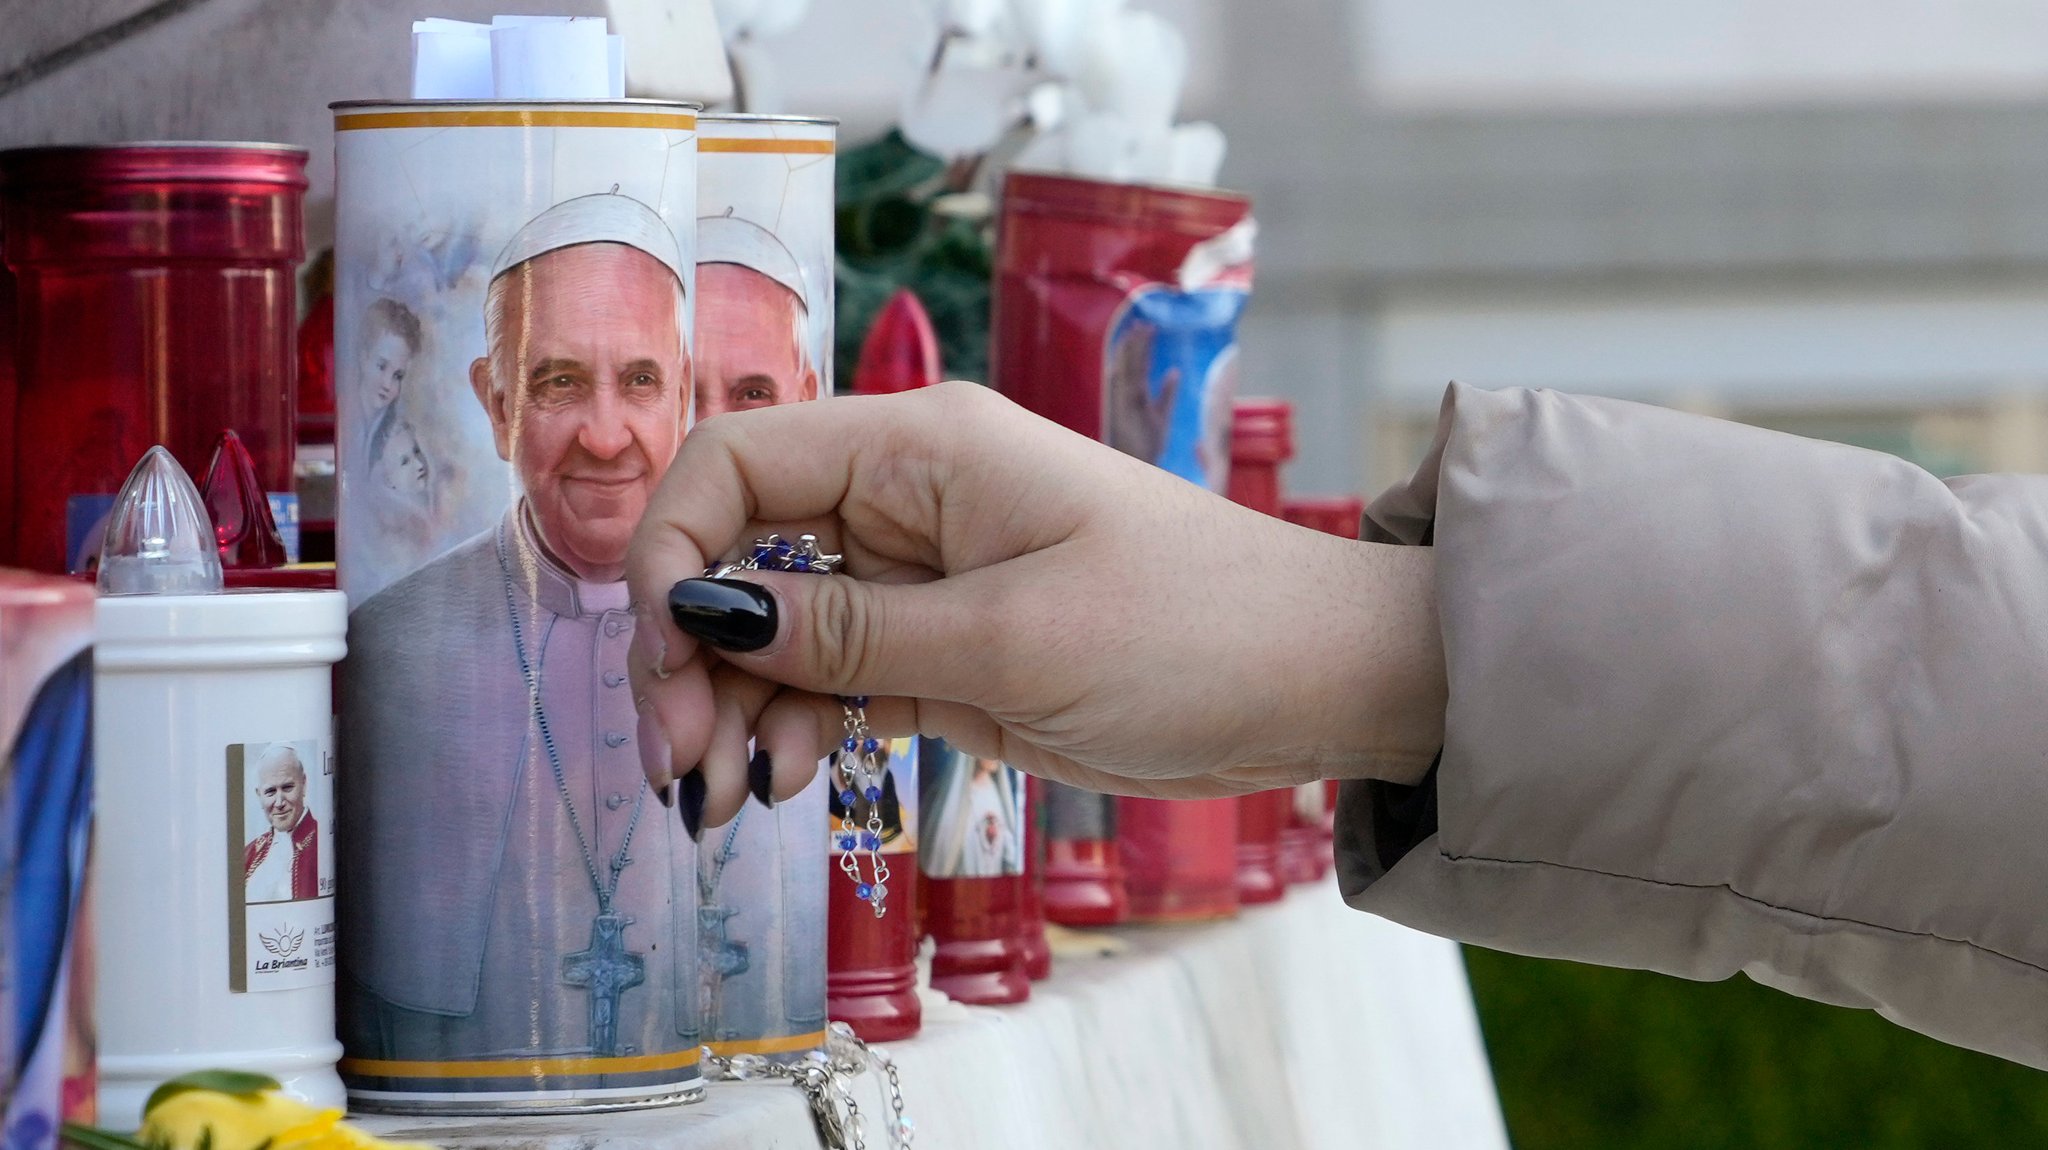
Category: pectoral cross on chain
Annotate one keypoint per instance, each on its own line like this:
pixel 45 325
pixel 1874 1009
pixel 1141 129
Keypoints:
pixel 607 970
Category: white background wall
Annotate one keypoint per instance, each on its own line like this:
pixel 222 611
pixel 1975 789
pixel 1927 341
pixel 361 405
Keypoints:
pixel 1502 53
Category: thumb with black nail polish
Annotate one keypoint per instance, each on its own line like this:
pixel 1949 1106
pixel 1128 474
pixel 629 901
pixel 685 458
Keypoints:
pixel 730 614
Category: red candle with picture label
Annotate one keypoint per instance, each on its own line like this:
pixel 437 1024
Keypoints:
pixel 155 303
pixel 1339 515
pixel 972 834
pixel 870 960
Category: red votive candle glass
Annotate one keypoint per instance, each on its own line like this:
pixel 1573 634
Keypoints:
pixel 155 303
pixel 870 960
pixel 972 833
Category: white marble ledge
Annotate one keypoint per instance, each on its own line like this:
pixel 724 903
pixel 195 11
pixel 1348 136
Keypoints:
pixel 1300 1026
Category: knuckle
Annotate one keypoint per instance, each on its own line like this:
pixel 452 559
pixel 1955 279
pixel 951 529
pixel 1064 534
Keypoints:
pixel 843 626
pixel 962 399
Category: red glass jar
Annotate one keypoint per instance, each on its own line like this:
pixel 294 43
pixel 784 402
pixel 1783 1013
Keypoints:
pixel 977 956
pixel 155 303
pixel 1084 870
pixel 972 835
pixel 870 959
pixel 871 963
pixel 1180 858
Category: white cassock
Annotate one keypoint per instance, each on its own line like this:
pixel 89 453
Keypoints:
pixel 972 822
pixel 271 881
pixel 466 889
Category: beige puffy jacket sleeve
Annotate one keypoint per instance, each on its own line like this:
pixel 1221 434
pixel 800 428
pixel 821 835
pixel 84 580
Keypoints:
pixel 1723 700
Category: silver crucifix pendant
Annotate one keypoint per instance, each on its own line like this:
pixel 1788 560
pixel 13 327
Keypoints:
pixel 607 970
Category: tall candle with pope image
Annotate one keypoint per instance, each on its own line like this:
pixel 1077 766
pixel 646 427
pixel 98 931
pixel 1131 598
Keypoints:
pixel 514 288
pixel 764 337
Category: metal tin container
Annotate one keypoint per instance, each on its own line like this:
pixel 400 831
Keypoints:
pixel 156 303
pixel 514 297
pixel 764 337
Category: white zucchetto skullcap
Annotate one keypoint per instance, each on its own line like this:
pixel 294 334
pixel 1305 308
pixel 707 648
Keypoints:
pixel 728 240
pixel 604 218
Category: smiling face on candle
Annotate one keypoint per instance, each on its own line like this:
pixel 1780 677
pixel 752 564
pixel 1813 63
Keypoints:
pixel 281 789
pixel 586 383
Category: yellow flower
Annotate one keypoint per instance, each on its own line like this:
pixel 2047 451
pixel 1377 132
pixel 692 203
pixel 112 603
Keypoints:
pixel 266 1120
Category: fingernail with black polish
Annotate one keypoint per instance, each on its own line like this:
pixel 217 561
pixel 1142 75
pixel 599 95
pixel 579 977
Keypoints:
pixel 690 805
pixel 665 796
pixel 730 614
pixel 761 778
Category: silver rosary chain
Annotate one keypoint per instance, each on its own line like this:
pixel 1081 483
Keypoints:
pixel 862 758
pixel 825 1078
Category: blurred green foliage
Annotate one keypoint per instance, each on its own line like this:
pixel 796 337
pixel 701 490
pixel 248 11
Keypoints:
pixel 890 236
pixel 1591 1057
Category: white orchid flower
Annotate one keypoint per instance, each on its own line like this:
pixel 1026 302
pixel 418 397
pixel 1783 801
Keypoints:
pixel 1056 30
pixel 1046 152
pixel 1048 105
pixel 963 111
pixel 734 16
pixel 1133 65
pixel 1195 155
pixel 978 19
pixel 1107 146
pixel 753 19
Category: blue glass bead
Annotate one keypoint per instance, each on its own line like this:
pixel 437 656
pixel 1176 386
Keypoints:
pixel 869 840
pixel 858 701
pixel 874 794
pixel 800 564
pixel 850 745
pixel 863 892
pixel 846 843
pixel 871 746
pixel 848 798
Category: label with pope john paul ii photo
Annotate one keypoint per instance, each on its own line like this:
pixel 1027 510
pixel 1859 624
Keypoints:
pixel 280 865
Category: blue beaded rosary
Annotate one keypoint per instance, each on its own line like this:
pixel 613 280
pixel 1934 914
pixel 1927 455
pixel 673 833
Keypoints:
pixel 861 763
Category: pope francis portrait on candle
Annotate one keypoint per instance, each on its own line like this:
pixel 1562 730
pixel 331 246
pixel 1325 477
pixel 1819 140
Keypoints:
pixel 513 890
pixel 761 901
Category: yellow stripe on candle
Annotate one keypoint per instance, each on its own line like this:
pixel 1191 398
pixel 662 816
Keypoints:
pixel 524 1068
pixel 768 147
pixel 514 118
pixel 795 1042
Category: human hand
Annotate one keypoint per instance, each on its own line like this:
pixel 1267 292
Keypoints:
pixel 1023 592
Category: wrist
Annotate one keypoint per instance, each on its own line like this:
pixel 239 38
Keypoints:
pixel 1380 712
